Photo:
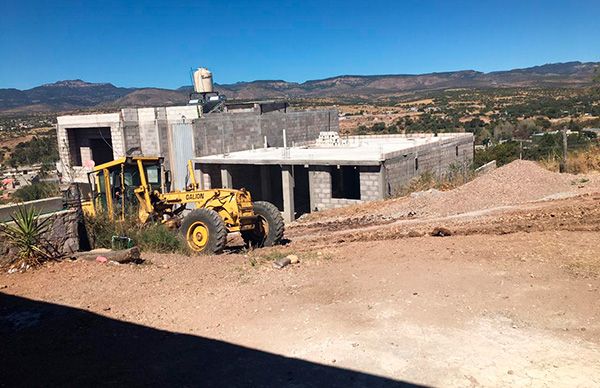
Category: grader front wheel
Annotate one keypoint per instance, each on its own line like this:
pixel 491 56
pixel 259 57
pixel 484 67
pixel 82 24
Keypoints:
pixel 269 227
pixel 204 231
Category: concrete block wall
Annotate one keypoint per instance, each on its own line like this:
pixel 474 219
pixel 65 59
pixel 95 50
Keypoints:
pixel 302 126
pixel 162 126
pixel 86 154
pixel 226 132
pixel 186 113
pixel 211 175
pixel 437 158
pixel 319 178
pixel 149 131
pixel 117 140
pixel 370 183
pixel 131 129
pixel 67 147
pixel 231 132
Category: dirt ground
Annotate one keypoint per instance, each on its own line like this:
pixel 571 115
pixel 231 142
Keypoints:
pixel 509 298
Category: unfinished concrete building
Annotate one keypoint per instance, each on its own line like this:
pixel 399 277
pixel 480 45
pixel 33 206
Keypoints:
pixel 333 172
pixel 294 159
pixel 180 133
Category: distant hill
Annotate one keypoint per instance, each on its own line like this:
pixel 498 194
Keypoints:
pixel 62 95
pixel 77 94
pixel 569 74
pixel 151 97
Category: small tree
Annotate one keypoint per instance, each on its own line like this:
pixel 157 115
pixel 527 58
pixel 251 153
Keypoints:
pixel 35 191
pixel 504 130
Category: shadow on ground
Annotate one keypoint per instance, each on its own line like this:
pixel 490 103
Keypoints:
pixel 44 344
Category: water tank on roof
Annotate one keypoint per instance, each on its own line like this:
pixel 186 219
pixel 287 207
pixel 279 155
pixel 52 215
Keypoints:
pixel 203 82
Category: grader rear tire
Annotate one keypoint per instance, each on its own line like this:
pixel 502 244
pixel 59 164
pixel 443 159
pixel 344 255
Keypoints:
pixel 269 227
pixel 204 231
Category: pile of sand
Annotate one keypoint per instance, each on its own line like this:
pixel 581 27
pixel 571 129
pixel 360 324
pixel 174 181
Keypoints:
pixel 515 183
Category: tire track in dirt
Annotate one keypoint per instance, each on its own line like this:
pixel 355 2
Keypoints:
pixel 572 214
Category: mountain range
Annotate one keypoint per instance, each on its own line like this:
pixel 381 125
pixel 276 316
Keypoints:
pixel 77 94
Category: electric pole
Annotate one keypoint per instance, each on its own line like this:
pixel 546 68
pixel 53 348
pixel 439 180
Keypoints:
pixel 563 163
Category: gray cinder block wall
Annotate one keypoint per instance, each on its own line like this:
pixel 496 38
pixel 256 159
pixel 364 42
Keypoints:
pixel 439 158
pixel 319 178
pixel 231 132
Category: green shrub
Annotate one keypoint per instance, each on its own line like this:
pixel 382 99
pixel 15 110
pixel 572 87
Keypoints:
pixel 35 191
pixel 148 237
pixel 42 149
pixel 158 238
pixel 502 153
pixel 100 230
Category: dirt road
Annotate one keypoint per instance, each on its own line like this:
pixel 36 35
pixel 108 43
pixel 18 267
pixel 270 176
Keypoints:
pixel 517 309
pixel 510 298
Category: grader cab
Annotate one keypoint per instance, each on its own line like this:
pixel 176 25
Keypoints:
pixel 141 186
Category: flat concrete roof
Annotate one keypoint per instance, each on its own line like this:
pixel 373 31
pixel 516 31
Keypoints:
pixel 359 150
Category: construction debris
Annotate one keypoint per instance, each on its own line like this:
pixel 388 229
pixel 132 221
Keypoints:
pixel 441 232
pixel 285 261
pixel 131 255
pixel 280 263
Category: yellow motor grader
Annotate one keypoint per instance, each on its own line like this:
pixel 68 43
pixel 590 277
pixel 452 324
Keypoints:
pixel 141 185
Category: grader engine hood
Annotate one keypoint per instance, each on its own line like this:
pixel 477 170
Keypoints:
pixel 234 206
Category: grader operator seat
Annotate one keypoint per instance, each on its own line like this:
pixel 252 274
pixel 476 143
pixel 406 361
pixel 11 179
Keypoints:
pixel 138 185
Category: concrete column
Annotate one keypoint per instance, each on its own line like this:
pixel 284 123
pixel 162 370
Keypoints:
pixel 312 186
pixel 226 180
pixel 200 176
pixel 287 187
pixel 206 181
pixel 86 154
pixel 383 182
pixel 265 183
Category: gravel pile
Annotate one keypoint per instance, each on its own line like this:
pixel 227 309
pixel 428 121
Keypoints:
pixel 517 182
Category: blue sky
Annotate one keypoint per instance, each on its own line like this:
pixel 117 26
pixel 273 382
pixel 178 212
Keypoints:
pixel 154 43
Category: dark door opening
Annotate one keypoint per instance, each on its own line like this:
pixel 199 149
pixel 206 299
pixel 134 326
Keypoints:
pixel 95 141
pixel 345 182
pixel 101 150
pixel 301 191
pixel 263 182
pixel 276 193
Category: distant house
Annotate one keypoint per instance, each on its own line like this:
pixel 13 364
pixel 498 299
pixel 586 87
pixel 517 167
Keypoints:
pixel 596 131
pixel 13 178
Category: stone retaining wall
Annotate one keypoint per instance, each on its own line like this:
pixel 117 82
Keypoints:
pixel 64 236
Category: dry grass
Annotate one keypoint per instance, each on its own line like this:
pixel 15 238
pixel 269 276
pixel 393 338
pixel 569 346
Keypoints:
pixel 456 176
pixel 580 162
pixel 585 269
